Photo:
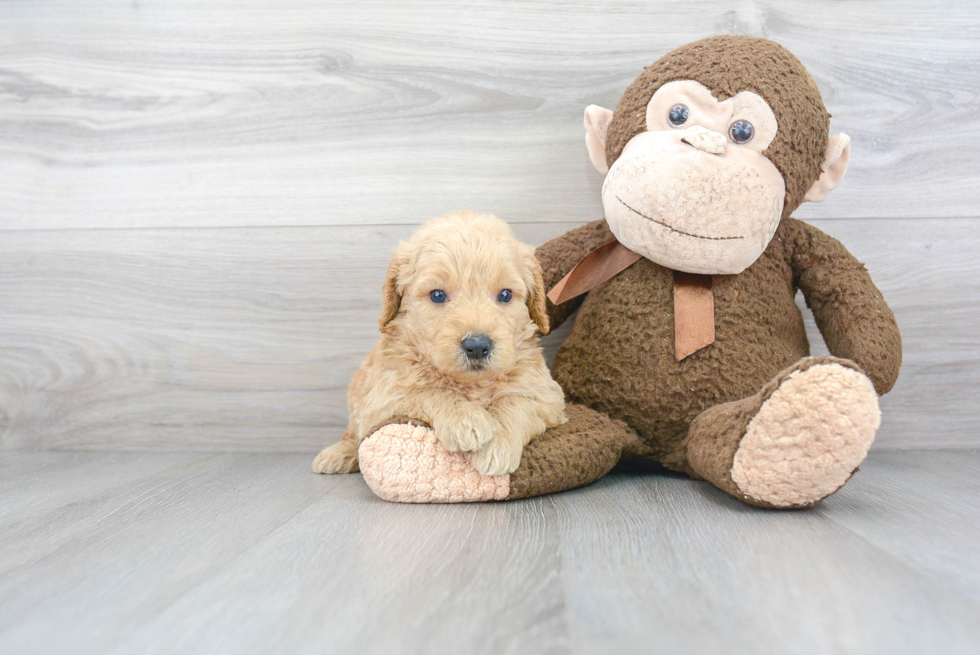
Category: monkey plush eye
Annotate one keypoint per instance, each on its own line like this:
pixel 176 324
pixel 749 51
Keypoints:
pixel 741 132
pixel 437 296
pixel 505 295
pixel 678 115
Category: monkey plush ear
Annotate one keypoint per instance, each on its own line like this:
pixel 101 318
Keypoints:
pixel 391 300
pixel 536 299
pixel 596 123
pixel 834 166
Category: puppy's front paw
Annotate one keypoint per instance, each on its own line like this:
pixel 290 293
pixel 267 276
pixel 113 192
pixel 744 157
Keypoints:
pixel 496 458
pixel 466 427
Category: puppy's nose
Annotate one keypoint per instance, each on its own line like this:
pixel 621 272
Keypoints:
pixel 477 347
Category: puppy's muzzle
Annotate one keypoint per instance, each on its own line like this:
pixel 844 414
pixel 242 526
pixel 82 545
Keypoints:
pixel 477 347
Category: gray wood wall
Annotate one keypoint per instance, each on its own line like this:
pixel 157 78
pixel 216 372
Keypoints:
pixel 198 199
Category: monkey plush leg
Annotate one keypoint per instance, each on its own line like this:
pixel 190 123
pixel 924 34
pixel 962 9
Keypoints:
pixel 406 463
pixel 795 442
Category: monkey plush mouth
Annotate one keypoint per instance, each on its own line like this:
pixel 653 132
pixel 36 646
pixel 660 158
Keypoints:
pixel 672 228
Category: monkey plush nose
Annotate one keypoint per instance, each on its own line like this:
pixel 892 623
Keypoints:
pixel 477 347
pixel 704 139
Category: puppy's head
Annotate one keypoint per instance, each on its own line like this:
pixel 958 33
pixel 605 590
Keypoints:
pixel 466 294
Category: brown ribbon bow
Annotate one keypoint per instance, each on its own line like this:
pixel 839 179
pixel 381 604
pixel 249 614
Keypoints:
pixel 694 306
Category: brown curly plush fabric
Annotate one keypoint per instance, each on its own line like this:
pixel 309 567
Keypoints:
pixel 619 357
pixel 691 415
pixel 582 450
pixel 628 395
pixel 728 65
pixel 715 435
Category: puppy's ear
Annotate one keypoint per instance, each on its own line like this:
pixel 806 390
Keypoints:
pixel 391 300
pixel 536 300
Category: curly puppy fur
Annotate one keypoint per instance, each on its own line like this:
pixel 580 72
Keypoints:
pixel 489 407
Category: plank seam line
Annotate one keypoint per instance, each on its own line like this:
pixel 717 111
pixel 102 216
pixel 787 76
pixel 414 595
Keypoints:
pixel 408 224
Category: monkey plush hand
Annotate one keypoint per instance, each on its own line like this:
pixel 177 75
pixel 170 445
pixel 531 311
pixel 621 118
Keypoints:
pixel 688 349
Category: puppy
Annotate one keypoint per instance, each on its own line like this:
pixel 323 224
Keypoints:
pixel 463 302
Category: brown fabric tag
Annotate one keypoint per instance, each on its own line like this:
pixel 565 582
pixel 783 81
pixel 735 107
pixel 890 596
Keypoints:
pixel 694 313
pixel 598 267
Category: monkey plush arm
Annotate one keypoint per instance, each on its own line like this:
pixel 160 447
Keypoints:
pixel 561 254
pixel 850 311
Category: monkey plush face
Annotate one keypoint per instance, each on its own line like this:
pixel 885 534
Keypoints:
pixel 694 188
pixel 708 149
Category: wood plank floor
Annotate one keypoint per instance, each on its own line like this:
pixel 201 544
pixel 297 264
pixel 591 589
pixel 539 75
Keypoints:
pixel 250 553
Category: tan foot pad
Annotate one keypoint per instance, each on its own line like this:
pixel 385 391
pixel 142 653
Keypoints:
pixel 808 437
pixel 407 464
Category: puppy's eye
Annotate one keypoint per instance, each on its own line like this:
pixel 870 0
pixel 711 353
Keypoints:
pixel 741 132
pixel 437 296
pixel 678 115
pixel 505 296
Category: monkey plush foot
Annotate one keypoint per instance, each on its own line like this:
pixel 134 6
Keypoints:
pixel 406 464
pixel 794 443
pixel 808 437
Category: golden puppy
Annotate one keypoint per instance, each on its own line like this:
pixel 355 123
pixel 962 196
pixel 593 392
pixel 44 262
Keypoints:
pixel 462 304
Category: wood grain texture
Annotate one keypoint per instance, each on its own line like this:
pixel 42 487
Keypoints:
pixel 742 581
pixel 191 114
pixel 205 339
pixel 251 553
pixel 197 200
pixel 229 339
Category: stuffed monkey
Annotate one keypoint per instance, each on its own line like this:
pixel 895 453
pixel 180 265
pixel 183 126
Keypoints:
pixel 688 349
